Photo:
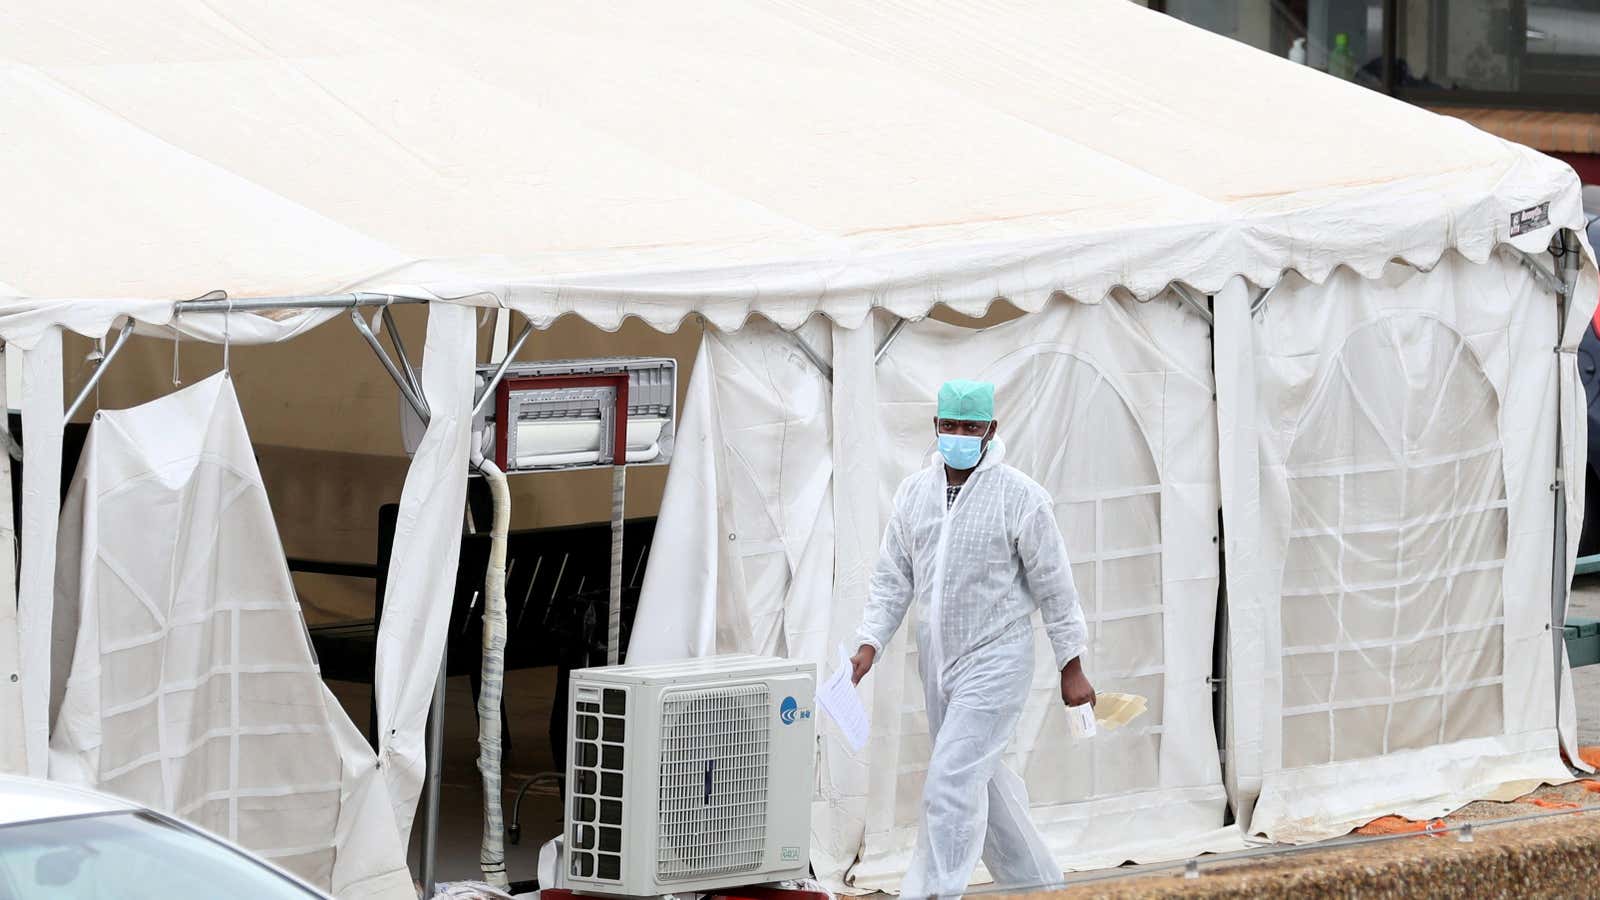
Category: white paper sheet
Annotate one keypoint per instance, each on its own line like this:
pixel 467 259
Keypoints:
pixel 838 698
pixel 1080 722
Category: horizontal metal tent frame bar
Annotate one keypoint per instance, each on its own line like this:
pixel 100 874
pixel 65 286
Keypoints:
pixel 309 301
pixel 408 382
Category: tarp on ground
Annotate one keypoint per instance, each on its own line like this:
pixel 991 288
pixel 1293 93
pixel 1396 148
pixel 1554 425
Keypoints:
pixel 187 678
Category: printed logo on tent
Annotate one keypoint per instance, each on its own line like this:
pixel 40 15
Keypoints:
pixel 1524 221
pixel 789 711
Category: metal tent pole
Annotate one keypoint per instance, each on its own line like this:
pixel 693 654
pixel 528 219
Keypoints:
pixel 1194 301
pixel 811 354
pixel 888 339
pixel 318 301
pixel 412 378
pixel 434 771
pixel 487 390
pixel 1563 250
pixel 418 404
pixel 94 379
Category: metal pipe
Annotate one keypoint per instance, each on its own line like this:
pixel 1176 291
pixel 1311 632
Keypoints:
pixel 500 370
pixel 1544 276
pixel 887 340
pixel 434 770
pixel 1261 301
pixel 417 405
pixel 1560 583
pixel 405 361
pixel 816 360
pixel 310 301
pixel 94 378
pixel 1192 300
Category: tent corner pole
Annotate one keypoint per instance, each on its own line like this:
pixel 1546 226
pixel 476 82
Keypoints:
pixel 433 773
pixel 1567 260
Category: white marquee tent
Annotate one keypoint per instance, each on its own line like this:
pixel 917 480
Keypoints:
pixel 830 167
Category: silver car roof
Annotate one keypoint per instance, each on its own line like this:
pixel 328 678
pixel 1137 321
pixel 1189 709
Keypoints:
pixel 32 800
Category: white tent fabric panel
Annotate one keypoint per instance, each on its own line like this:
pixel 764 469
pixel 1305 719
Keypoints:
pixel 423 560
pixel 1076 383
pixel 1406 431
pixel 191 685
pixel 749 545
pixel 13 751
pixel 746 156
pixel 42 413
pixel 38 341
pixel 743 559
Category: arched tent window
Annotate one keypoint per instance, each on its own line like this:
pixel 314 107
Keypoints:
pixel 1107 490
pixel 1391 616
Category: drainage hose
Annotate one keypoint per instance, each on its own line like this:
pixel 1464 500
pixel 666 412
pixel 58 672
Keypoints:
pixel 492 854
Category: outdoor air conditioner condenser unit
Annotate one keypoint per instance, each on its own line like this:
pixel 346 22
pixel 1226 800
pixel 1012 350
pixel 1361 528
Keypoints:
pixel 689 776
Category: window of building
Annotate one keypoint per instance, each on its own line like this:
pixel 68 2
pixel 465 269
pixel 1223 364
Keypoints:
pixel 1517 53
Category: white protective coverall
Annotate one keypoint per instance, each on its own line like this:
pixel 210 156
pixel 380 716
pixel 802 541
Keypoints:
pixel 979 569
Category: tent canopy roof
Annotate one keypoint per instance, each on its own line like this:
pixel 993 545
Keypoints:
pixel 729 157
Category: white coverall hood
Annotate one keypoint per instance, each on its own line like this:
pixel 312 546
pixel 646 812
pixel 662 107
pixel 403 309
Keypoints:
pixel 979 569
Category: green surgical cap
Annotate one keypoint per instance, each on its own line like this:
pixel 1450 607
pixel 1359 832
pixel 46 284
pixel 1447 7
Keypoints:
pixel 972 401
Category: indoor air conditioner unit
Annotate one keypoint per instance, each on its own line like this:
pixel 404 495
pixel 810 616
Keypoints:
pixel 576 413
pixel 689 776
pixel 571 414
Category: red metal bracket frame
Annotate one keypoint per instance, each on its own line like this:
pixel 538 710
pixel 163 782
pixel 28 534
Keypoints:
pixel 767 892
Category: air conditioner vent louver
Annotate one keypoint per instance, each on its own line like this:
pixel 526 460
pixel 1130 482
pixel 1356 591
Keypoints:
pixel 714 768
pixel 597 781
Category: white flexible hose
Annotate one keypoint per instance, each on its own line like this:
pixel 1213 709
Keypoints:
pixel 492 854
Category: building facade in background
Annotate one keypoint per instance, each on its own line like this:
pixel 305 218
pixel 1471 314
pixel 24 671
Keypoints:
pixel 1527 70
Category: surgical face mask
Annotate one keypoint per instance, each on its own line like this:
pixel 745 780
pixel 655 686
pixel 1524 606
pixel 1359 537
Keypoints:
pixel 960 451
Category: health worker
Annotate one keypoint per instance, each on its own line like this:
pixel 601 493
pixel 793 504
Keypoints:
pixel 975 543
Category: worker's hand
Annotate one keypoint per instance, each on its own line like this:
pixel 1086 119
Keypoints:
pixel 1075 687
pixel 861 663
